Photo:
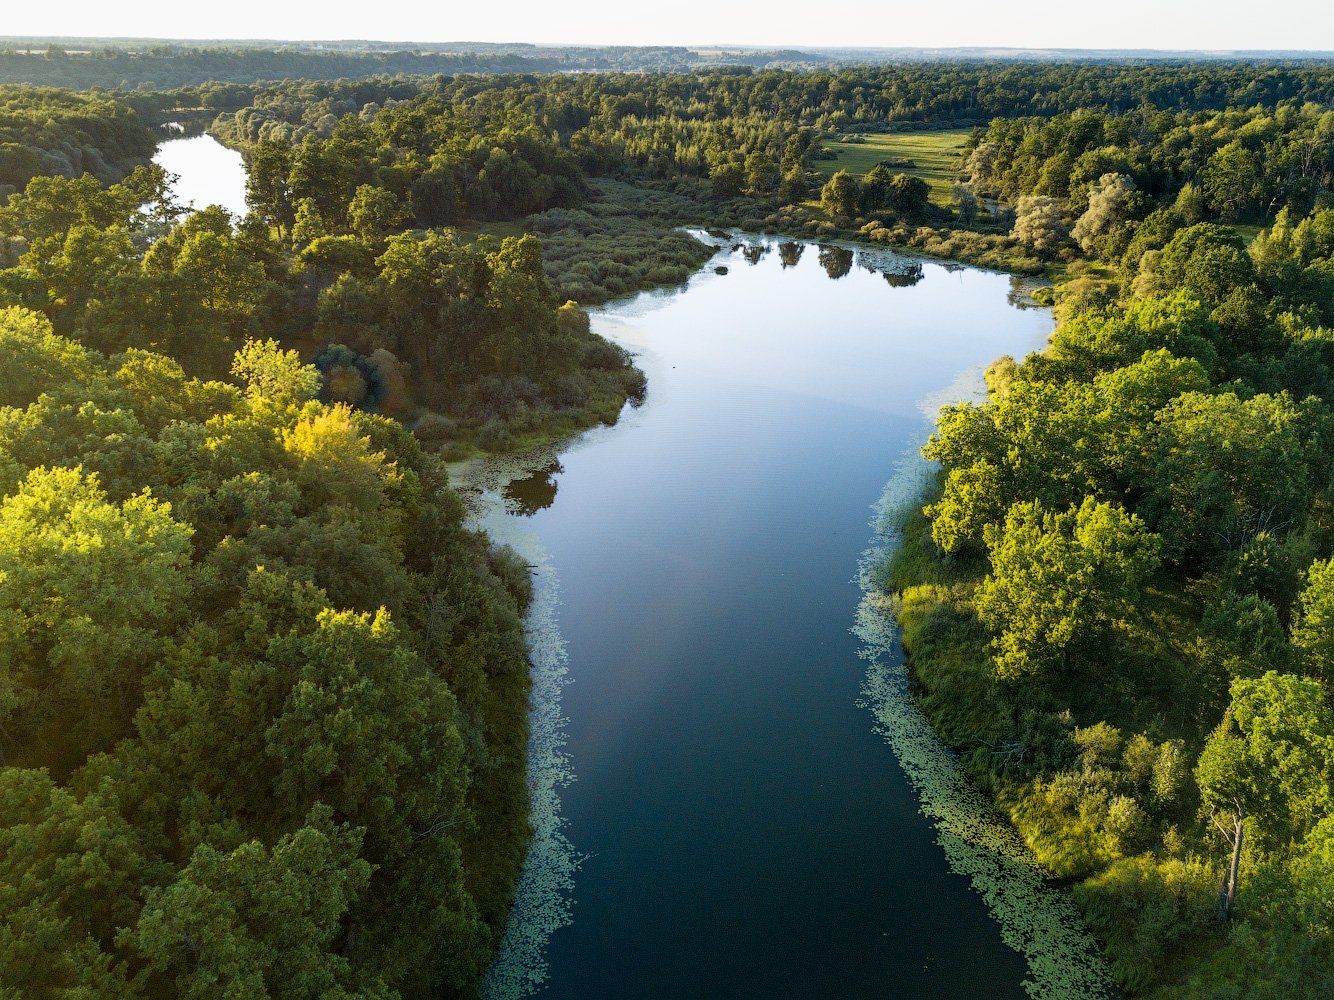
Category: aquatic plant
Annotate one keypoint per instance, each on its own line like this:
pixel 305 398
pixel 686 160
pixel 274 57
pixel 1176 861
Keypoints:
pixel 1036 919
pixel 542 903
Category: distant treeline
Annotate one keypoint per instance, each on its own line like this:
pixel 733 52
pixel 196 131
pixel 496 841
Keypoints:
pixel 938 91
pixel 158 65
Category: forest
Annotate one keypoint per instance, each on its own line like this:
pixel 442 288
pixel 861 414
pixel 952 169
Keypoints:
pixel 258 681
pixel 1116 603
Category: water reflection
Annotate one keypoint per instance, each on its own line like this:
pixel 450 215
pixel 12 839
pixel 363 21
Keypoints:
pixel 836 261
pixel 1021 292
pixel 899 274
pixel 533 493
pixel 207 173
pixel 755 252
pixel 905 278
pixel 790 253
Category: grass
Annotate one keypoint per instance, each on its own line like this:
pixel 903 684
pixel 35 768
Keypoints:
pixel 935 157
pixel 1247 233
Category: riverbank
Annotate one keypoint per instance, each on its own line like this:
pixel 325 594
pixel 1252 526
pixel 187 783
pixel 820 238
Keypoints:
pixel 714 725
pixel 1037 916
pixel 1141 882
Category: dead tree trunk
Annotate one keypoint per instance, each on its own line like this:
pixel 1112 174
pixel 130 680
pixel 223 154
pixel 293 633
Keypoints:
pixel 1227 893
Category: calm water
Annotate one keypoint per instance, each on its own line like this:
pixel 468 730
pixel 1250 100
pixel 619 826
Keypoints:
pixel 208 172
pixel 744 832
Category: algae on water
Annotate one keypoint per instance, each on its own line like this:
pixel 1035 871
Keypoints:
pixel 1036 919
pixel 543 896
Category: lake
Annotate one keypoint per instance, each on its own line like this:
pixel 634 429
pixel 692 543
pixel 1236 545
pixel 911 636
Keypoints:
pixel 733 795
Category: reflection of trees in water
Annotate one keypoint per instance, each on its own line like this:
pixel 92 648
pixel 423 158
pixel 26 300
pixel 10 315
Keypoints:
pixel 535 492
pixel 903 274
pixel 836 261
pixel 905 277
pixel 790 253
pixel 755 251
pixel 1020 294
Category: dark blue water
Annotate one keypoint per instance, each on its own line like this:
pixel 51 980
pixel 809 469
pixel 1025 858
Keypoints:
pixel 747 832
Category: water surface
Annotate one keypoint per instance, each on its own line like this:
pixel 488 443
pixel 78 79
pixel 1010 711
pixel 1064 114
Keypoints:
pixel 208 173
pixel 741 828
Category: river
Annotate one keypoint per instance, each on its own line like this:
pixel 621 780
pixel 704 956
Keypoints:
pixel 733 794
pixel 207 172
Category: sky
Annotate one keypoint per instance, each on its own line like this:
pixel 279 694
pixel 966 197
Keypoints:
pixel 1159 24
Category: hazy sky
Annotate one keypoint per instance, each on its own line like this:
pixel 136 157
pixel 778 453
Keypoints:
pixel 1174 24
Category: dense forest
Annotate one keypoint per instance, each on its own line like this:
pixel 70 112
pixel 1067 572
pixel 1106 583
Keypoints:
pixel 47 131
pixel 228 547
pixel 1117 603
pixel 464 340
pixel 258 684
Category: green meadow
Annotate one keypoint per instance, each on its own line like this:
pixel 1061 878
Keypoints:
pixel 934 155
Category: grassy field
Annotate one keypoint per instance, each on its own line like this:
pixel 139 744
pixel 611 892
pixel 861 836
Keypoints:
pixel 934 156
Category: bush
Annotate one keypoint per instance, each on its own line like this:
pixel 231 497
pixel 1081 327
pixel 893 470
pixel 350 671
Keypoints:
pixel 1142 908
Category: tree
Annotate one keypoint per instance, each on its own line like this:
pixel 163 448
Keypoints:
pixel 1208 261
pixel 762 174
pixel 374 212
pixel 1313 630
pixel 1190 203
pixel 275 375
pixel 1225 469
pixel 794 187
pixel 729 179
pixel 1233 181
pixel 1109 204
pixel 1057 579
pixel 841 195
pixel 258 922
pixel 36 360
pixel 966 203
pixel 1270 761
pixel 876 189
pixel 1039 224
pixel 909 196
pixel 268 191
pixel 88 588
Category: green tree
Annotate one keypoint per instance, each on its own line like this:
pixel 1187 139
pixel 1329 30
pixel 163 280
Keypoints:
pixel 1039 224
pixel 258 922
pixel 1313 630
pixel 88 588
pixel 1227 468
pixel 841 195
pixel 1271 760
pixel 1058 579
pixel 1109 205
pixel 275 375
pixel 373 212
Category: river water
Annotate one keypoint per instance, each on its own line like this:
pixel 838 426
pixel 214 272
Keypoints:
pixel 733 796
pixel 207 172
pixel 733 820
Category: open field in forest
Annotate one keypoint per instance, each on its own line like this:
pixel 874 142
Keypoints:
pixel 934 155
